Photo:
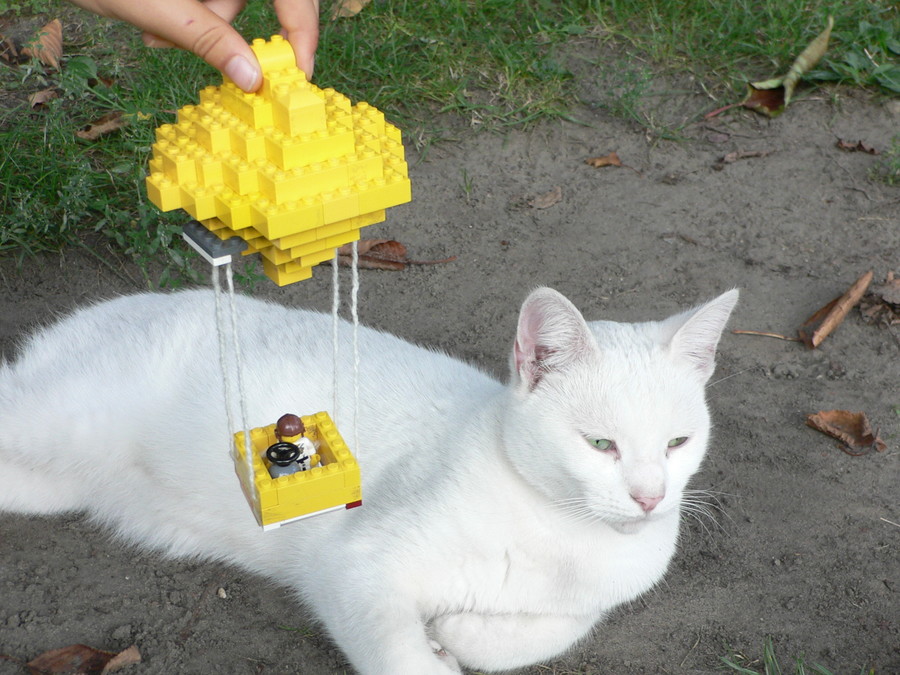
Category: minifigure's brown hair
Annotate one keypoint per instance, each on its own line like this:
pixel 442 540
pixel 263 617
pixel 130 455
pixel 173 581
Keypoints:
pixel 289 425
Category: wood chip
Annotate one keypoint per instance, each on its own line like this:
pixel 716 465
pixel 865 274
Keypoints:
pixel 821 324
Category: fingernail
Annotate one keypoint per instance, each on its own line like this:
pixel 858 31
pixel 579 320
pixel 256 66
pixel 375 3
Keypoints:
pixel 243 73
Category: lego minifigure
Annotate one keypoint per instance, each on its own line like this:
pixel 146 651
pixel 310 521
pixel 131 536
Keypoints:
pixel 290 429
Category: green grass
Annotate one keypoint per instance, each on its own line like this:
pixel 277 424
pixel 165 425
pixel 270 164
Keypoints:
pixel 888 171
pixel 726 44
pixel 431 67
pixel 769 664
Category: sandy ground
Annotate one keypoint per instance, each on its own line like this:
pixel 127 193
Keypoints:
pixel 804 543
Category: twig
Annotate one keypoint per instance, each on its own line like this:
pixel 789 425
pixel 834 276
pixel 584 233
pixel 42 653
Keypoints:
pixel 890 522
pixel 690 651
pixel 717 111
pixel 762 334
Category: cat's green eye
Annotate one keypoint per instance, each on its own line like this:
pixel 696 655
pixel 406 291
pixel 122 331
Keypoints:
pixel 602 443
pixel 677 442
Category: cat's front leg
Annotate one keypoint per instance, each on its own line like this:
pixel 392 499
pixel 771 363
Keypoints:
pixel 393 643
pixel 503 641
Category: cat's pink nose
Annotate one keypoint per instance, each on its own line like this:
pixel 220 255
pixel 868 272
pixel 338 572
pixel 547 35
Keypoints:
pixel 648 503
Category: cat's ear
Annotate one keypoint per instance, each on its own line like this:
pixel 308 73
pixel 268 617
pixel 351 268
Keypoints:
pixel 694 335
pixel 551 335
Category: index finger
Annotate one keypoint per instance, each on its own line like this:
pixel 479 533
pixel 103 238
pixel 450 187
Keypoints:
pixel 300 26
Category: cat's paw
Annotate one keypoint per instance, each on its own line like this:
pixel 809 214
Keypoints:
pixel 446 657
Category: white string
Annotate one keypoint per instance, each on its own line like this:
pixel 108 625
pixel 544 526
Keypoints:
pixel 248 451
pixel 335 324
pixel 354 310
pixel 220 333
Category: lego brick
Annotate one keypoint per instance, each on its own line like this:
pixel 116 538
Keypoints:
pixel 178 161
pixel 163 192
pixel 214 134
pixel 385 192
pixel 216 251
pixel 248 143
pixel 241 176
pixel 339 205
pixel 298 239
pixel 198 200
pixel 281 220
pixel 252 109
pixel 283 276
pixel 209 170
pixel 276 54
pixel 297 110
pixel 236 210
pixel 327 246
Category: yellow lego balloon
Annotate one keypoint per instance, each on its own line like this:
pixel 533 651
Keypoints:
pixel 294 170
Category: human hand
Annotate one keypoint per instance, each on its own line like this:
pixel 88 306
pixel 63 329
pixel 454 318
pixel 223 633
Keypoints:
pixel 204 27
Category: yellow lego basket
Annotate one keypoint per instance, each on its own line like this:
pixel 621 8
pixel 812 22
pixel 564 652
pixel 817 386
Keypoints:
pixel 334 484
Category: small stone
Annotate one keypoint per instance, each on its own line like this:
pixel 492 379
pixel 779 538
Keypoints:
pixel 221 593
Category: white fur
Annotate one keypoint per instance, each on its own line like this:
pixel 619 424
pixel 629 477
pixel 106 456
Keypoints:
pixel 492 533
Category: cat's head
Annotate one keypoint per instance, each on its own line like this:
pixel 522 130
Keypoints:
pixel 609 420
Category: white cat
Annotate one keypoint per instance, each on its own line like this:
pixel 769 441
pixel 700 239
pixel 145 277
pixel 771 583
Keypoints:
pixel 499 523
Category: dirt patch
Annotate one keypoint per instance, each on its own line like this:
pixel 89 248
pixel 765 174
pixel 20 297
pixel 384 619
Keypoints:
pixel 804 543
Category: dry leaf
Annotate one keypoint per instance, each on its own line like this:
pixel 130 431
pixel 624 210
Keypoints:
pixel 82 660
pixel 347 8
pixel 852 428
pixel 47 46
pixel 773 96
pixel 105 125
pixel 39 98
pixel 612 159
pixel 881 304
pixel 381 254
pixel 546 200
pixel 820 325
pixel 859 146
pixel 124 658
pixel 8 52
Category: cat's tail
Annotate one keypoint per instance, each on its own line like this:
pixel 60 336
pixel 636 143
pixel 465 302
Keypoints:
pixel 31 481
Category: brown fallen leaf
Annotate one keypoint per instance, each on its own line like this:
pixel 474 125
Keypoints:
pixel 124 658
pixel 107 124
pixel 82 660
pixel 39 98
pixel 881 305
pixel 547 199
pixel 612 159
pixel 47 46
pixel 8 52
pixel 820 325
pixel 346 8
pixel 852 428
pixel 773 96
pixel 859 146
pixel 381 254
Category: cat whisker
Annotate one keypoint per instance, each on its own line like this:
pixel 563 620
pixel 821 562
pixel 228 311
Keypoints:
pixel 577 510
pixel 728 377
pixel 709 499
